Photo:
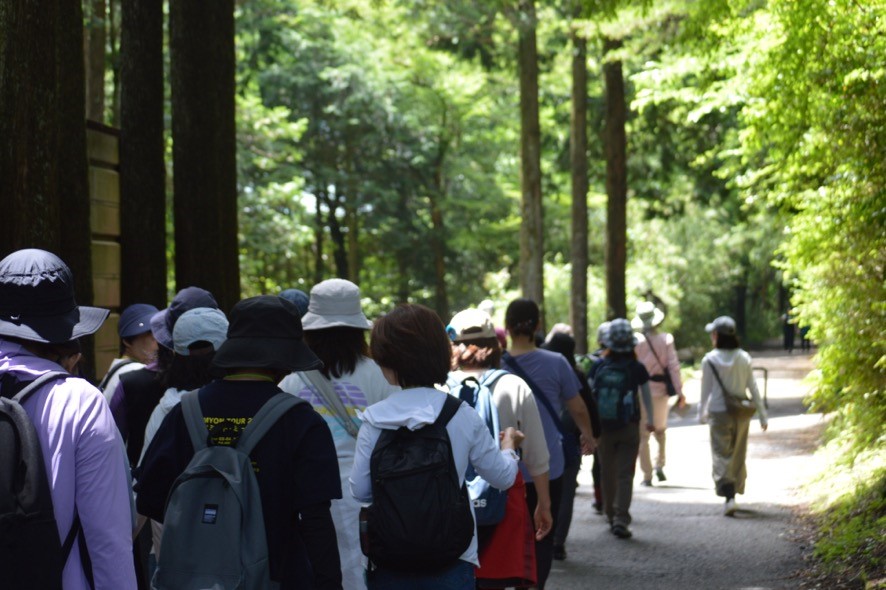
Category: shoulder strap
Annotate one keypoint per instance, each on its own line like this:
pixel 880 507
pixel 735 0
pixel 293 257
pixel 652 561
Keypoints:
pixel 664 369
pixel 324 388
pixel 490 378
pixel 536 390
pixel 265 418
pixel 194 420
pixel 37 383
pixel 110 374
pixel 450 407
pixel 717 377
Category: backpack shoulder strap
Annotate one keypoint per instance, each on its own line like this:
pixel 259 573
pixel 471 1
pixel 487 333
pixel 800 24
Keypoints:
pixel 265 418
pixel 110 374
pixel 194 420
pixel 34 385
pixel 490 378
pixel 450 407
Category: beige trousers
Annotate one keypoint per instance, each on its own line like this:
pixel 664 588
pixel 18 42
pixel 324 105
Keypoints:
pixel 729 448
pixel 660 420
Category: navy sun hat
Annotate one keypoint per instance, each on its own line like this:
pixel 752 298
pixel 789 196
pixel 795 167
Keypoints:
pixel 135 320
pixel 188 298
pixel 37 300
pixel 298 297
pixel 620 337
pixel 265 332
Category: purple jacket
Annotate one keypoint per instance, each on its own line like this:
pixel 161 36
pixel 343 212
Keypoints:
pixel 86 466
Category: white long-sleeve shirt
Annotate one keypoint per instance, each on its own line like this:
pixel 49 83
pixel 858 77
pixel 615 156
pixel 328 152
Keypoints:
pixel 468 434
pixel 735 371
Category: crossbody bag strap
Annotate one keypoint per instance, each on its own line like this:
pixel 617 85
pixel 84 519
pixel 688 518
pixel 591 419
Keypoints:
pixel 664 369
pixel 326 391
pixel 717 377
pixel 512 363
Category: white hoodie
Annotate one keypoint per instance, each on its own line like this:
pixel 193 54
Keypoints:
pixel 468 434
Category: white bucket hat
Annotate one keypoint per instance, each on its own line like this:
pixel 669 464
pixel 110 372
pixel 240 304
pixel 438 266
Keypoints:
pixel 648 316
pixel 335 303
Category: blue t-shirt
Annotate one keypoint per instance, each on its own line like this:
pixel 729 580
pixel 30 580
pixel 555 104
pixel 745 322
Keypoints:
pixel 295 466
pixel 551 373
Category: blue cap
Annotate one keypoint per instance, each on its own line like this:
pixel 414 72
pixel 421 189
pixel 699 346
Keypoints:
pixel 198 325
pixel 135 320
pixel 299 298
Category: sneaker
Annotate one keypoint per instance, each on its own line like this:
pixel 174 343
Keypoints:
pixel 730 507
pixel 621 531
pixel 646 483
pixel 659 473
pixel 559 552
pixel 598 507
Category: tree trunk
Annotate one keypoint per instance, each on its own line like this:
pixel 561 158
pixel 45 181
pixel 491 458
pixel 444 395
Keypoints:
pixel 616 183
pixel 578 152
pixel 142 153
pixel 114 26
pixel 29 126
pixel 339 253
pixel 353 222
pixel 318 241
pixel 204 147
pixel 438 229
pixel 95 60
pixel 531 239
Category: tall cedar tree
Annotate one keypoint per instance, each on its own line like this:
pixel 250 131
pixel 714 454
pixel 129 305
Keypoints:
pixel 142 167
pixel 615 144
pixel 578 152
pixel 95 59
pixel 204 148
pixel 531 228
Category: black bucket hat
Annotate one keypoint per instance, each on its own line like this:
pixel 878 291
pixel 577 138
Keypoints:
pixel 265 333
pixel 37 300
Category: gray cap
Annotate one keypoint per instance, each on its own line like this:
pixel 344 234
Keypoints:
pixel 201 324
pixel 620 337
pixel 722 325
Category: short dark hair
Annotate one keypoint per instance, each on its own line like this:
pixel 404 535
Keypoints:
pixel 727 341
pixel 412 341
pixel 340 348
pixel 191 371
pixel 480 353
pixel 522 317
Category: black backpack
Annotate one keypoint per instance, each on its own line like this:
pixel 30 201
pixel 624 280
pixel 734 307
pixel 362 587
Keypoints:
pixel 616 401
pixel 420 518
pixel 31 554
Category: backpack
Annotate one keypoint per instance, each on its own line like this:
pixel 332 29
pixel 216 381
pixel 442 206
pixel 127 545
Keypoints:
pixel 420 517
pixel 615 401
pixel 214 528
pixel 489 502
pixel 31 554
pixel 110 374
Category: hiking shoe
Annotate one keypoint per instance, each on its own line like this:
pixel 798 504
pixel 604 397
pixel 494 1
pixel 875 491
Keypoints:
pixel 559 552
pixel 598 507
pixel 659 473
pixel 621 531
pixel 730 507
pixel 646 483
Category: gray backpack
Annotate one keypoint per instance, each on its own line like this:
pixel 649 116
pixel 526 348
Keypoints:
pixel 214 530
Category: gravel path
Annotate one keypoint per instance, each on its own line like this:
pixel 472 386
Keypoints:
pixel 681 539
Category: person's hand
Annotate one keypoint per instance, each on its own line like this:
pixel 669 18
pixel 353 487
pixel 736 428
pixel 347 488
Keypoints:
pixel 681 401
pixel 543 521
pixel 511 438
pixel 703 419
pixel 764 425
pixel 588 445
pixel 650 427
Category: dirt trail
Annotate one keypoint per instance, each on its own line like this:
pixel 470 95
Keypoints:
pixel 681 538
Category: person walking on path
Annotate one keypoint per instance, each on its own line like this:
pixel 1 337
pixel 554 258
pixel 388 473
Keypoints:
pixel 616 381
pixel 555 386
pixel 726 371
pixel 335 330
pixel 476 353
pixel 411 346
pixel 138 347
pixel 294 462
pixel 564 343
pixel 656 350
pixel 40 324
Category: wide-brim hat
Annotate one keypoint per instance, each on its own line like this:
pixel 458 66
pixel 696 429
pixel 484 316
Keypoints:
pixel 265 332
pixel 620 337
pixel 335 303
pixel 37 300
pixel 163 323
pixel 648 316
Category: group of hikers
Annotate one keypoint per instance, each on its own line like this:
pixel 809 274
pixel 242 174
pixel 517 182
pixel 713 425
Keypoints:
pixel 277 446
